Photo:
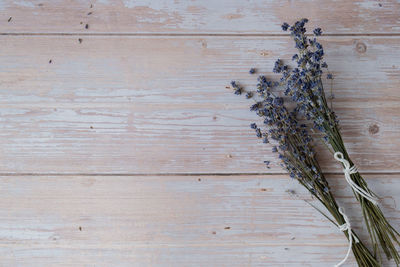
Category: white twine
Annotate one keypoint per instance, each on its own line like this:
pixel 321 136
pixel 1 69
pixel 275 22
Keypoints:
pixel 346 227
pixel 350 170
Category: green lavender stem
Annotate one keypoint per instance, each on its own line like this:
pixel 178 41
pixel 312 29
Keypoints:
pixel 361 253
pixel 380 230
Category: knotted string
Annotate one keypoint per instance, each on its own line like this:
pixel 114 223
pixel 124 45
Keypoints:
pixel 350 170
pixel 346 227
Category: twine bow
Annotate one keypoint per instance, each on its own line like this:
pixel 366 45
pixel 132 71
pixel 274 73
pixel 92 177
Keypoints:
pixel 351 170
pixel 346 227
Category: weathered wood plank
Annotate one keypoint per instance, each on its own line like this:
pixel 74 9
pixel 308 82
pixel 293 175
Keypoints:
pixel 159 105
pixel 174 220
pixel 198 16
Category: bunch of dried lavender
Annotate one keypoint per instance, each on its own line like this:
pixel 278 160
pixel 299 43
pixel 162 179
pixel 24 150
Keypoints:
pixel 303 84
pixel 297 156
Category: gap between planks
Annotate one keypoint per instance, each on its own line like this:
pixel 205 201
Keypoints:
pixel 195 34
pixel 182 174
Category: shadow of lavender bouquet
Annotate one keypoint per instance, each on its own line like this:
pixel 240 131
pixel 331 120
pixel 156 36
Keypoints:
pixel 303 86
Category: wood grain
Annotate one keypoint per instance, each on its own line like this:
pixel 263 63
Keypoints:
pixel 159 104
pixel 173 220
pixel 197 16
pixel 137 88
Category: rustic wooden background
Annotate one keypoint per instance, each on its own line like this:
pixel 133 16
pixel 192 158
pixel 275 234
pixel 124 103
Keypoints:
pixel 121 146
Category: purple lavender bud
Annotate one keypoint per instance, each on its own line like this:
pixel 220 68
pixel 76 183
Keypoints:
pixel 256 106
pixel 278 101
pixel 258 133
pixel 238 91
pixel 278 66
pixel 285 26
pixel 317 31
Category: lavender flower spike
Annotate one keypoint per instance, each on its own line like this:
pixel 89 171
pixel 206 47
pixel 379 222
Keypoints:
pixel 293 146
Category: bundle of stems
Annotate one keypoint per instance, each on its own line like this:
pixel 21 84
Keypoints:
pixel 297 156
pixel 304 85
pixel 380 230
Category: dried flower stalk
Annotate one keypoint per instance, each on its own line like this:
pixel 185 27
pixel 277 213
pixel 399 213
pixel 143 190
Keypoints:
pixel 303 84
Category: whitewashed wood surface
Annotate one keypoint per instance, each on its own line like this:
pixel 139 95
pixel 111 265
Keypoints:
pixel 121 145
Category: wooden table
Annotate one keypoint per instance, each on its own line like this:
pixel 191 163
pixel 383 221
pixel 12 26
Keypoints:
pixel 121 145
